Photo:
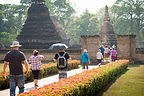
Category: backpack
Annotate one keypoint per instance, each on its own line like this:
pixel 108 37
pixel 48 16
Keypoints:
pixel 61 61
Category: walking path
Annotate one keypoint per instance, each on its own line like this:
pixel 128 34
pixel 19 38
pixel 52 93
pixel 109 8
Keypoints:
pixel 45 81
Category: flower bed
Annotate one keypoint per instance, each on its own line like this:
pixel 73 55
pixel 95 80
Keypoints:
pixel 47 69
pixel 82 84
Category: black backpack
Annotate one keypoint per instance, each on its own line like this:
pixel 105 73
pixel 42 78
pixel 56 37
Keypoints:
pixel 61 61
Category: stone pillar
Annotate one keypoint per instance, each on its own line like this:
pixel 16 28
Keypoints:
pixel 126 46
pixel 91 43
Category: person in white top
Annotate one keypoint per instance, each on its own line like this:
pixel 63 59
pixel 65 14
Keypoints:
pixel 106 51
pixel 99 57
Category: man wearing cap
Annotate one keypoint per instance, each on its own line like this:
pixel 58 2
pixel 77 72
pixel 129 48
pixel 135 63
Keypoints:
pixel 14 58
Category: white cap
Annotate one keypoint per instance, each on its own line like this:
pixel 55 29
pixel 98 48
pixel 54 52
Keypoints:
pixel 15 44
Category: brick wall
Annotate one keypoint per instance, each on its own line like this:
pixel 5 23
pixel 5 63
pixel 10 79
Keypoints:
pixel 126 45
pixel 139 54
pixel 91 43
pixel 48 54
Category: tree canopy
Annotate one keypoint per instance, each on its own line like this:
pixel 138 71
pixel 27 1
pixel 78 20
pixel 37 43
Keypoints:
pixel 127 17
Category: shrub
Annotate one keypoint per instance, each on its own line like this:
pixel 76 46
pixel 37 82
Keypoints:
pixel 82 84
pixel 47 69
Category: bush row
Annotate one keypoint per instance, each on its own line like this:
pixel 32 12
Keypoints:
pixel 86 83
pixel 47 69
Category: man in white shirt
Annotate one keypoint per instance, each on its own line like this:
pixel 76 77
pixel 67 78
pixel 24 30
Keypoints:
pixel 99 57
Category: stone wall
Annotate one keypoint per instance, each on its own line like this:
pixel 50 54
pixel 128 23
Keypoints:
pixel 91 43
pixel 139 54
pixel 126 45
pixel 48 54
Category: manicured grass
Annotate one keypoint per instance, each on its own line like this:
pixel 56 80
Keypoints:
pixel 131 83
pixel 7 69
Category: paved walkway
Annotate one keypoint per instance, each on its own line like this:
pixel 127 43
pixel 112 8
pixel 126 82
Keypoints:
pixel 45 81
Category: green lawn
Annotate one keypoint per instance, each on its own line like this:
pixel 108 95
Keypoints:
pixel 131 83
pixel 7 69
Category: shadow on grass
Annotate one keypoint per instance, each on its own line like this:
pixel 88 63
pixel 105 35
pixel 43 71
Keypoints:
pixel 136 64
pixel 100 93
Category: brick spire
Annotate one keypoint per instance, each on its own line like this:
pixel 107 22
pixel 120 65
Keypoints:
pixel 107 35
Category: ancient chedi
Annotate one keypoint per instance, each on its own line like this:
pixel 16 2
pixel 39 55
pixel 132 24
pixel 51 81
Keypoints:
pixel 107 35
pixel 38 32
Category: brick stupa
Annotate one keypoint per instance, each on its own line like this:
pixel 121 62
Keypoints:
pixel 107 35
pixel 38 32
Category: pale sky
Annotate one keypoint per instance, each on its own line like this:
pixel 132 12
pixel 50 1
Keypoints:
pixel 79 5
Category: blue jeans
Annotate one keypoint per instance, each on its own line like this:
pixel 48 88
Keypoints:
pixel 16 80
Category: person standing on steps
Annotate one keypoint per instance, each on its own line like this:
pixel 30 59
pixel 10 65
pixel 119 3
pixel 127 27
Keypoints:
pixel 102 50
pixel 99 57
pixel 113 56
pixel 85 60
pixel 106 52
pixel 14 59
pixel 110 54
pixel 36 65
pixel 62 58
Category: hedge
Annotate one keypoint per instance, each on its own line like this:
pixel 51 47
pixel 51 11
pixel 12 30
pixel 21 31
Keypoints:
pixel 47 69
pixel 87 83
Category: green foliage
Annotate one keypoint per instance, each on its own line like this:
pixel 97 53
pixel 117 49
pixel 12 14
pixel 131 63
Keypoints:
pixel 61 9
pixel 11 20
pixel 128 17
pixel 86 24
pixel 46 70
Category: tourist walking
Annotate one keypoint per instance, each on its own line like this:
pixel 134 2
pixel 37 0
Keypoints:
pixel 62 58
pixel 102 50
pixel 113 55
pixel 36 65
pixel 14 59
pixel 99 57
pixel 110 54
pixel 106 52
pixel 85 60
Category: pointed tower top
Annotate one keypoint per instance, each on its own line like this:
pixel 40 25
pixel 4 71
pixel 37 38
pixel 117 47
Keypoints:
pixel 106 16
pixel 38 1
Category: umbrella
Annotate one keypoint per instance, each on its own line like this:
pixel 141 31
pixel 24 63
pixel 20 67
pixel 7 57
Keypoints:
pixel 58 46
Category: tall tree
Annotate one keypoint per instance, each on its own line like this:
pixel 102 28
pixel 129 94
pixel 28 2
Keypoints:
pixel 86 24
pixel 61 9
pixel 10 22
pixel 128 16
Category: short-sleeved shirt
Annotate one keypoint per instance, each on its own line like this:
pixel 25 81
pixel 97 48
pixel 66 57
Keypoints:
pixel 61 54
pixel 113 52
pixel 36 62
pixel 106 50
pixel 15 59
pixel 102 50
pixel 85 57
pixel 99 55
